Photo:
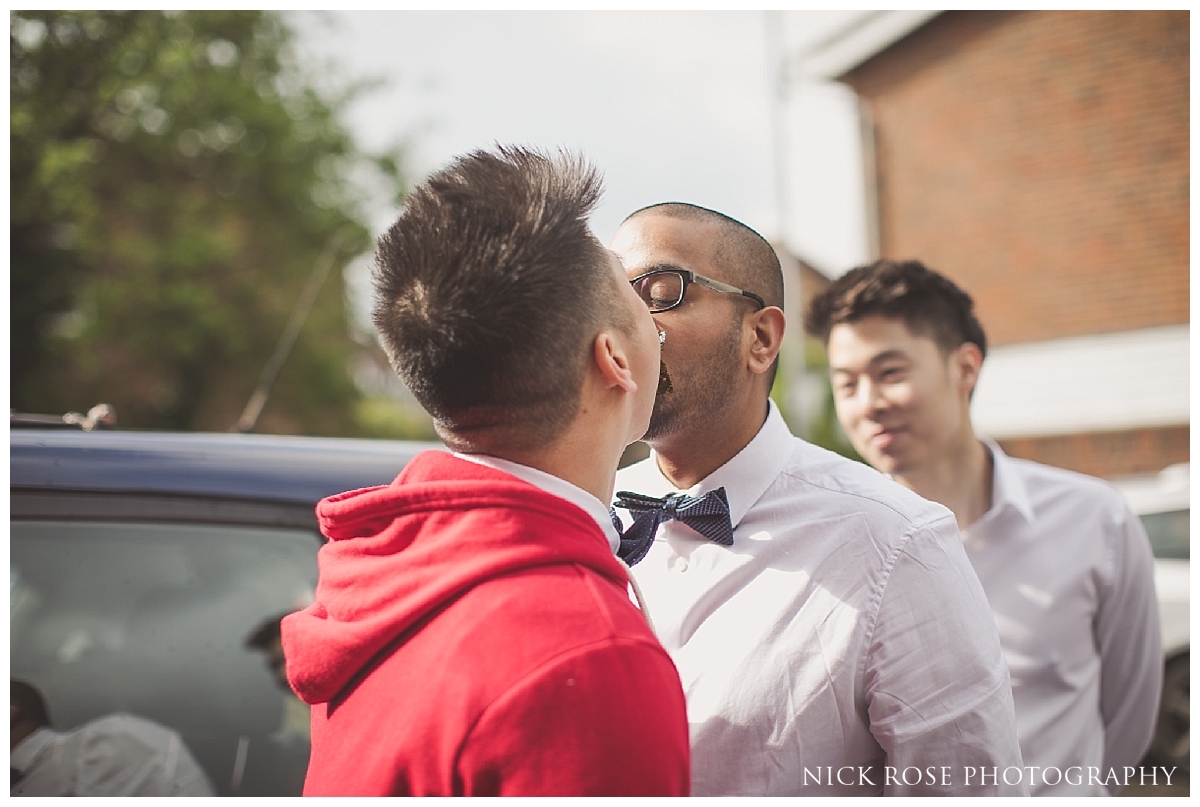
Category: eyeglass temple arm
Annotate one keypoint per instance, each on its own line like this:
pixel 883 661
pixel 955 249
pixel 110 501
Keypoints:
pixel 719 286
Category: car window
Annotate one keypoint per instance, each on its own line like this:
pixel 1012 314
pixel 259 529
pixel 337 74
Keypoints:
pixel 1168 533
pixel 153 619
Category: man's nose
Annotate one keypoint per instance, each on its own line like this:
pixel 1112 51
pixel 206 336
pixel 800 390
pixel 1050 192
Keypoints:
pixel 871 397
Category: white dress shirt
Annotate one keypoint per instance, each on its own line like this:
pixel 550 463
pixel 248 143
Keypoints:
pixel 556 487
pixel 115 755
pixel 842 645
pixel 1069 574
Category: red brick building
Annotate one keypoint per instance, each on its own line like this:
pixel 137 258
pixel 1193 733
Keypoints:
pixel 1041 159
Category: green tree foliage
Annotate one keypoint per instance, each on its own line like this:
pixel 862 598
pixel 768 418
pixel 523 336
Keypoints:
pixel 820 426
pixel 175 180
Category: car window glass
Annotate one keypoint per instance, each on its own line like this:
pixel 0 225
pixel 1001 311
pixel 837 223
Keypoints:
pixel 153 620
pixel 1168 533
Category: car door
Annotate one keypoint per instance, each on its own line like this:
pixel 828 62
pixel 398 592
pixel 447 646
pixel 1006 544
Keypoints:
pixel 157 606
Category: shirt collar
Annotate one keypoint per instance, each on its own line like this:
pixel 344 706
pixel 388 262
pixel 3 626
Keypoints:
pixel 23 756
pixel 748 474
pixel 555 486
pixel 1008 488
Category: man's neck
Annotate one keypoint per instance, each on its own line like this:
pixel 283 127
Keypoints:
pixel 561 461
pixel 586 454
pixel 961 480
pixel 690 454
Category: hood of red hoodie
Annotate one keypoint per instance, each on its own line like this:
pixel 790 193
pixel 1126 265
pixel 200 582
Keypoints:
pixel 396 553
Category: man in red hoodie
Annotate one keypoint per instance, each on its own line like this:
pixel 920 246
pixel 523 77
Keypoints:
pixel 473 633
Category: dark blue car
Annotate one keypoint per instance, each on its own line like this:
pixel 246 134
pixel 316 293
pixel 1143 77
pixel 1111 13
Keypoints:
pixel 148 572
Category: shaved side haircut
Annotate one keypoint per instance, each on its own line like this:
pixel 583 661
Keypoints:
pixel 489 291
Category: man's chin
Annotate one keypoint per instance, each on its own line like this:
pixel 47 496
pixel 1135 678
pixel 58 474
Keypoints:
pixel 893 466
pixel 663 423
pixel 884 463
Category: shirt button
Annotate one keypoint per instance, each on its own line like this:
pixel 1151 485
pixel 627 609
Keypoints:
pixel 681 565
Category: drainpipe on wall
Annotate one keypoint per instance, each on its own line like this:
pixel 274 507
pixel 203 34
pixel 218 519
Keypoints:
pixel 791 357
pixel 866 125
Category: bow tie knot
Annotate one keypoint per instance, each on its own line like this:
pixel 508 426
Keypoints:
pixel 707 514
pixel 670 505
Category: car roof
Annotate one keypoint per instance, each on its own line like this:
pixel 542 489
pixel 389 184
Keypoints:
pixel 279 468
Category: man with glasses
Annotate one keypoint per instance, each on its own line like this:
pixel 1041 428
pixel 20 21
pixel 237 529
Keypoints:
pixel 828 629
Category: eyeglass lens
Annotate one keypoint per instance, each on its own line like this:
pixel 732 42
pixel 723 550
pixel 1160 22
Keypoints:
pixel 660 291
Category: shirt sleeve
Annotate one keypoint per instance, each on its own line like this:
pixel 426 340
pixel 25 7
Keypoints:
pixel 609 720
pixel 938 694
pixel 1129 639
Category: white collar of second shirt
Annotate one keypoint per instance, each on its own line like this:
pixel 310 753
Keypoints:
pixel 1008 489
pixel 555 486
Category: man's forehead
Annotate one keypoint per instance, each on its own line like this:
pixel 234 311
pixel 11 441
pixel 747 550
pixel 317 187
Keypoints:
pixel 877 324
pixel 659 221
pixel 654 238
pixel 618 265
pixel 882 336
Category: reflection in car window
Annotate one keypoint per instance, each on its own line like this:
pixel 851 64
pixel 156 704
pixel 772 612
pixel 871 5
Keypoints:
pixel 153 619
pixel 1168 533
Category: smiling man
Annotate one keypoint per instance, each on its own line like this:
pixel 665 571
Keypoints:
pixel 1065 563
pixel 827 627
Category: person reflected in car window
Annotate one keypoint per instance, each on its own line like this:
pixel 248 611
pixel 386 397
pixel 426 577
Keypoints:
pixel 289 747
pixel 114 755
pixel 296 716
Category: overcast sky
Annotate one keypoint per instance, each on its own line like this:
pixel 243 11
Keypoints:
pixel 669 105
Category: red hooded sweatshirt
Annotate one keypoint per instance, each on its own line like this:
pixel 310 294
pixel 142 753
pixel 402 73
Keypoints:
pixel 472 635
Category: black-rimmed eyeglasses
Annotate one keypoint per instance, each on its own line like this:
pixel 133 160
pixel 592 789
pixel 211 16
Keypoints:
pixel 663 289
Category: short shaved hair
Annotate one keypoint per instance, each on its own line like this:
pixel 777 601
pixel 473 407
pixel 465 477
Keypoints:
pixel 748 258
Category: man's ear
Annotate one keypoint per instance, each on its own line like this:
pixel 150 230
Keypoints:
pixel 968 360
pixel 608 354
pixel 767 331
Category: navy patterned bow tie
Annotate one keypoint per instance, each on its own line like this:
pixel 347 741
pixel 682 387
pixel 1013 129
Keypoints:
pixel 707 515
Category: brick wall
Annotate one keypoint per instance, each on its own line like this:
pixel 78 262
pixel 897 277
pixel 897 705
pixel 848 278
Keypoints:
pixel 1041 159
pixel 1107 454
